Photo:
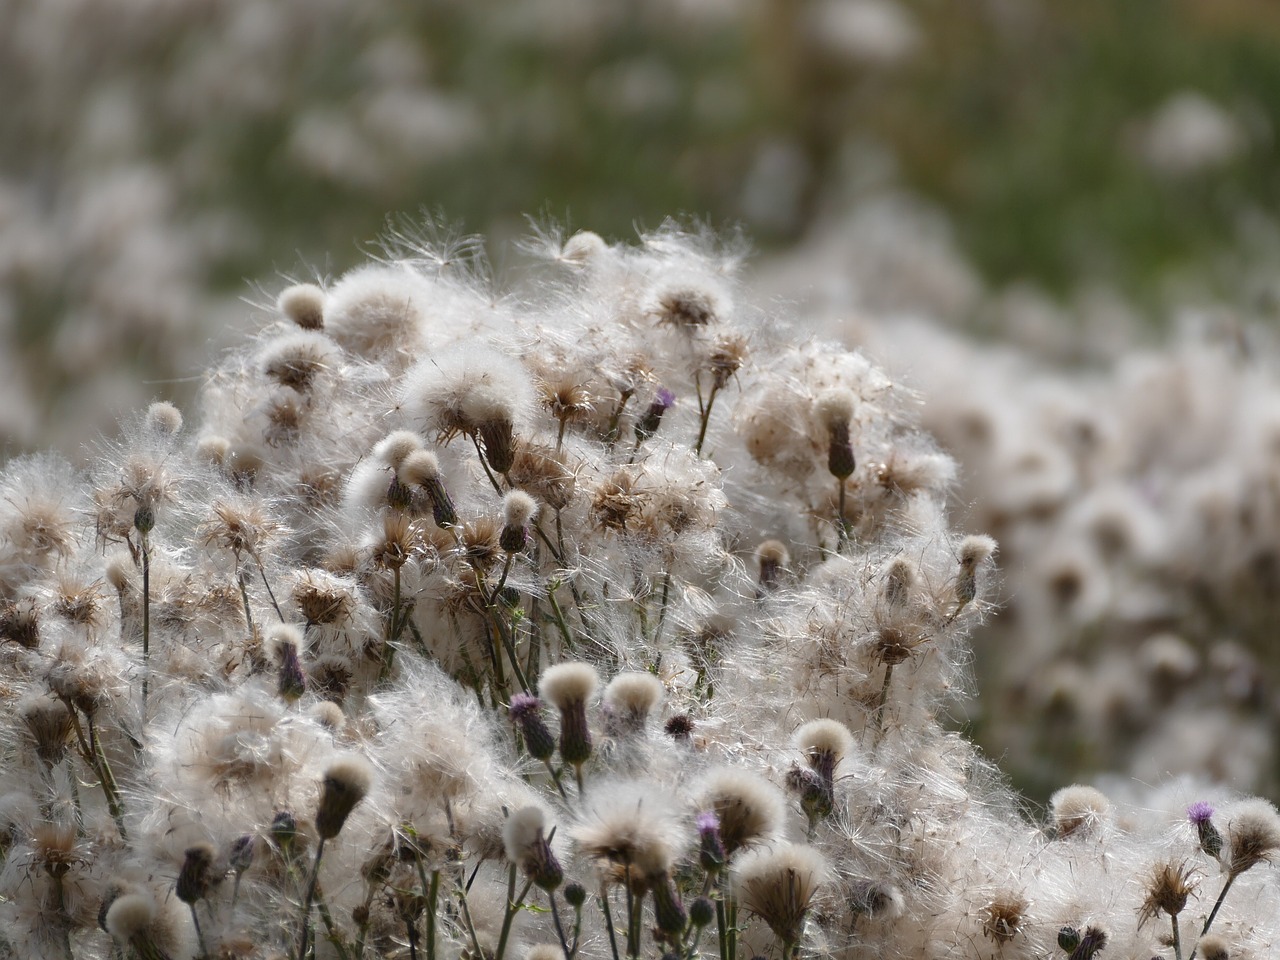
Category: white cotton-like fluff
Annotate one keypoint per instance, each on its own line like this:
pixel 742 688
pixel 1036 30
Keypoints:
pixel 298 360
pixel 377 311
pixel 633 694
pixel 129 915
pixel 303 303
pixel 567 684
pixel 461 389
pixel 518 508
pixel 772 584
pixel 824 737
pixel 522 830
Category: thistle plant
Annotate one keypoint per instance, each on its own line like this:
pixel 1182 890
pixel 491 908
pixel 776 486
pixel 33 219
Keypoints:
pixel 541 663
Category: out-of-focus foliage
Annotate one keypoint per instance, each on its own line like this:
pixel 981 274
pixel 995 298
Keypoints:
pixel 157 154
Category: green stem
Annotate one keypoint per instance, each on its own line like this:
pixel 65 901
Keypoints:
pixel 608 923
pixel 555 918
pixel 433 894
pixel 262 571
pixel 880 706
pixel 662 609
pixel 466 918
pixel 393 629
pixel 146 621
pixel 475 439
pixel 331 929
pixel 557 615
pixel 514 901
pixel 102 767
pixel 195 921
pixel 841 521
pixel 244 598
pixel 305 933
pixel 706 419
pixel 555 777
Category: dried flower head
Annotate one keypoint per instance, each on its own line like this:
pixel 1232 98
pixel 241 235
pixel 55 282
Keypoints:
pixel 1252 835
pixel 629 698
pixel 632 830
pixel 726 357
pixel 518 511
pixel 688 307
pixel 1167 890
pixel 1213 947
pixel 303 303
pixel 526 845
pixel 1079 811
pixel 298 360
pixel 749 808
pixel 346 782
pixel 20 622
pixel 778 885
pixel 48 721
pixel 772 557
pixel 1003 917
pixel 566 398
pixel 197 876
pixel 876 900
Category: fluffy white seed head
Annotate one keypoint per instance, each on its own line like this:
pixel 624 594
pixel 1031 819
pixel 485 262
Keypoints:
pixel 329 715
pixel 521 831
pixel 297 359
pixel 281 635
pixel 583 247
pixel 633 694
pixel 834 408
pixel 163 419
pixel 1252 834
pixel 1214 947
pixel 346 782
pixel 773 552
pixel 303 303
pixel 976 548
pixel 567 684
pixel 829 737
pixel 130 915
pixel 518 508
pixel 631 825
pixel 1079 810
pixel 418 468
pixel 778 885
pixel 396 446
pixel 751 809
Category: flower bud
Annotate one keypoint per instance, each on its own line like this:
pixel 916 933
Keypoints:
pixel 197 875
pixel 651 419
pixel 526 713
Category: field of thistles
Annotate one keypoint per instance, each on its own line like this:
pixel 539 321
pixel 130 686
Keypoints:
pixel 613 614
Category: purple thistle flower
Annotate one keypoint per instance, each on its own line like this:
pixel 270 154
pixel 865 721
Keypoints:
pixel 526 713
pixel 523 704
pixel 711 852
pixel 650 420
pixel 1200 812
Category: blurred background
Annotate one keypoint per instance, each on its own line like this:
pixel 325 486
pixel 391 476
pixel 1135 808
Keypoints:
pixel 1008 201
